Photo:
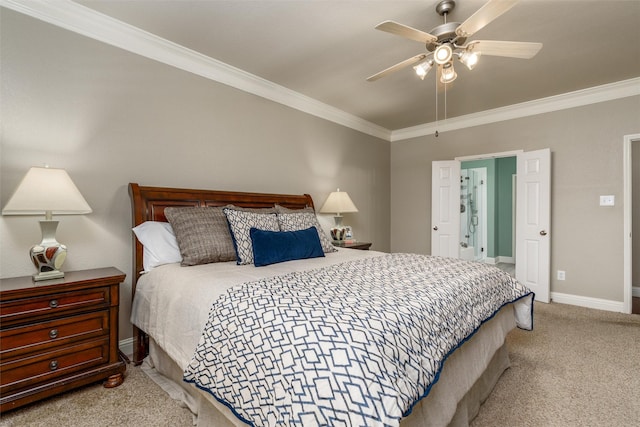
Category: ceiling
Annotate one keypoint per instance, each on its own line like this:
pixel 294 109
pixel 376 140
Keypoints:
pixel 326 49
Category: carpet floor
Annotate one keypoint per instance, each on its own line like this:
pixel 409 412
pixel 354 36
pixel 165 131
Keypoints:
pixel 579 367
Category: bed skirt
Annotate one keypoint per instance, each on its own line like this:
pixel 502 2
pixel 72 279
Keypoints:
pixel 466 380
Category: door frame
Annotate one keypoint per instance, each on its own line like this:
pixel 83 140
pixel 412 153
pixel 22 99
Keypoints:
pixel 498 155
pixel 628 215
pixel 513 153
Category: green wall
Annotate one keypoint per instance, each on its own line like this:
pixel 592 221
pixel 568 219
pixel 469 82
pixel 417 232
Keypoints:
pixel 505 169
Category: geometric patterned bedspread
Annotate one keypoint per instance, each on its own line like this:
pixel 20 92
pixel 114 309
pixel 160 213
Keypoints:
pixel 354 344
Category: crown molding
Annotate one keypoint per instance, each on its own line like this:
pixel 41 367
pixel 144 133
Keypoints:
pixel 564 101
pixel 90 23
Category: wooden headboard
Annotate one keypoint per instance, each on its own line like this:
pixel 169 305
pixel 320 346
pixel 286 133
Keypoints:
pixel 148 204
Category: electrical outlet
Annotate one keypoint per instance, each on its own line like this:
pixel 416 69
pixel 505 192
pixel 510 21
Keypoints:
pixel 561 275
pixel 607 200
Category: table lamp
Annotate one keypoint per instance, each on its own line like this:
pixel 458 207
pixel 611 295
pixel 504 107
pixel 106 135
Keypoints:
pixel 47 191
pixel 338 202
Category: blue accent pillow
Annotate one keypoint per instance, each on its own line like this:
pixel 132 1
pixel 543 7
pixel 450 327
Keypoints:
pixel 270 247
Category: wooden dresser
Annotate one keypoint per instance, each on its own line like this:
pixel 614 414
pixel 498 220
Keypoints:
pixel 59 334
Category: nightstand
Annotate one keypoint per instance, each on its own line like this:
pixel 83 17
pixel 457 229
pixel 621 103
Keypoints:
pixel 353 245
pixel 59 334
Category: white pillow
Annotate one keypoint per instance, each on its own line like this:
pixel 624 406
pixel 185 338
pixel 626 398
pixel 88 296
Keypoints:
pixel 160 244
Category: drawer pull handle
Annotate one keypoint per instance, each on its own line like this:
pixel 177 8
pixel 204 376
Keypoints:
pixel 53 333
pixel 53 303
pixel 53 365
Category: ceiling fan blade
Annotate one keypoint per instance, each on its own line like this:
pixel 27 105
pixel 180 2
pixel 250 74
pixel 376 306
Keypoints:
pixel 523 50
pixel 487 13
pixel 397 67
pixel 406 32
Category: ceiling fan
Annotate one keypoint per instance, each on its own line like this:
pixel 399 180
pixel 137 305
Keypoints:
pixel 447 41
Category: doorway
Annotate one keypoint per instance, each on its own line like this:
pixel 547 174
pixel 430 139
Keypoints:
pixel 473 212
pixel 489 199
pixel 631 168
pixel 533 190
pixel 635 237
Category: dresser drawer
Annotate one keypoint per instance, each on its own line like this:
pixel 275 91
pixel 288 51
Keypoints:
pixel 50 305
pixel 16 341
pixel 40 368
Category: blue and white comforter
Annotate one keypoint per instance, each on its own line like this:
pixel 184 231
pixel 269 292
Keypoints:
pixel 358 343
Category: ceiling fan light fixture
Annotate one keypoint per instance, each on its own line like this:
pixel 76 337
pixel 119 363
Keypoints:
pixel 469 59
pixel 423 68
pixel 448 39
pixel 447 73
pixel 443 54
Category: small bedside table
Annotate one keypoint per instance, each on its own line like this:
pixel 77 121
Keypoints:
pixel 59 334
pixel 353 245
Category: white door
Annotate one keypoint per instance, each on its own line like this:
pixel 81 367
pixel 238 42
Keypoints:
pixel 445 208
pixel 533 217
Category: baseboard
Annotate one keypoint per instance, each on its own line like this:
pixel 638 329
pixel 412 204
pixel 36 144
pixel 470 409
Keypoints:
pixel 507 259
pixel 588 302
pixel 126 346
pixel 635 291
pixel 489 260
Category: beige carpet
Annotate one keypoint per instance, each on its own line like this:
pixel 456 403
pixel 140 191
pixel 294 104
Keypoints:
pixel 579 367
pixel 137 402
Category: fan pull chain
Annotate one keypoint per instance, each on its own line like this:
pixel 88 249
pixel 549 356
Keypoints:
pixel 445 102
pixel 436 79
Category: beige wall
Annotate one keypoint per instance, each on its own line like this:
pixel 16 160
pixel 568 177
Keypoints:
pixel 586 156
pixel 110 117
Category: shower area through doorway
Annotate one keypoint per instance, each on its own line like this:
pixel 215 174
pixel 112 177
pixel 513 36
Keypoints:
pixel 473 214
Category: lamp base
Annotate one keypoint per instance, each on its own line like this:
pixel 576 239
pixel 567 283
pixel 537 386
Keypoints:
pixel 49 255
pixel 338 230
pixel 338 233
pixel 48 275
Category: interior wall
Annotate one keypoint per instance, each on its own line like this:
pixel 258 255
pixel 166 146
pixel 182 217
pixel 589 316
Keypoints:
pixel 586 162
pixel 110 117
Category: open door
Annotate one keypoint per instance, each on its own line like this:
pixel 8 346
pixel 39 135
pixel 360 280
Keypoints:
pixel 533 217
pixel 445 208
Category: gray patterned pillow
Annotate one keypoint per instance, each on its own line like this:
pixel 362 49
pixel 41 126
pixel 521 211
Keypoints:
pixel 241 223
pixel 202 234
pixel 301 221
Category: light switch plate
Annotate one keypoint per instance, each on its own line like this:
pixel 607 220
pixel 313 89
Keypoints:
pixel 607 200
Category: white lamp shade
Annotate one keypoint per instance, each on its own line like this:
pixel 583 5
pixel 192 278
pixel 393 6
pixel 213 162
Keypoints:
pixel 44 190
pixel 338 202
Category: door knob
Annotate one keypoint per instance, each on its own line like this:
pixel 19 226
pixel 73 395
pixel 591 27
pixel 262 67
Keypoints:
pixel 543 233
pixel 435 228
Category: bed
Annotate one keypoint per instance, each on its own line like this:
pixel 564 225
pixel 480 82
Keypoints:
pixel 356 323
